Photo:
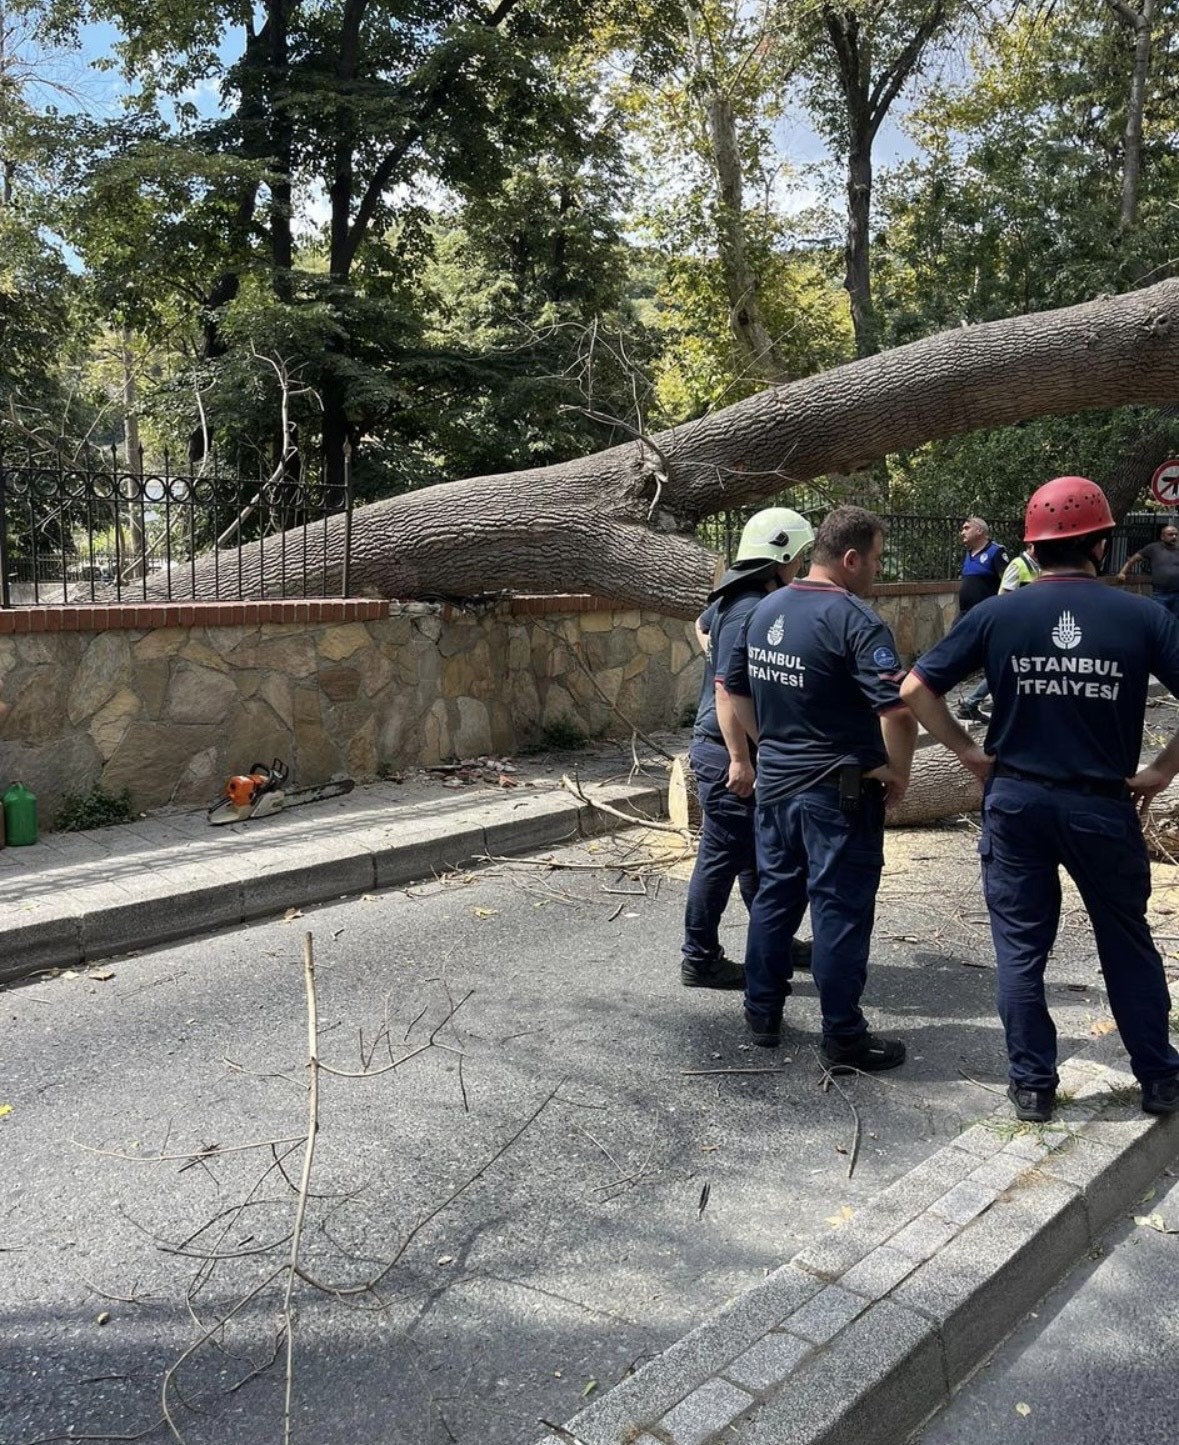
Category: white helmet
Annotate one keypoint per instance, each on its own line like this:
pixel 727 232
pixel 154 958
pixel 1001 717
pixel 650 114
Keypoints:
pixel 777 534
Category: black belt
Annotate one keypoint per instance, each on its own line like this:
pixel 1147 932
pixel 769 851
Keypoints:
pixel 1099 787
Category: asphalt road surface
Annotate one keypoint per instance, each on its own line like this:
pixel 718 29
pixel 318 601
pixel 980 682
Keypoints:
pixel 497 1227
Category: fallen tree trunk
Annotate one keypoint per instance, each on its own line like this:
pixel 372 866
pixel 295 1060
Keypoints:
pixel 619 522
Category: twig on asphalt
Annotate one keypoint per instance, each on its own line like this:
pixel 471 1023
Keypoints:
pixel 305 1177
pixel 829 1078
pixel 193 1156
pixel 696 1073
pixel 593 1140
pixel 978 1083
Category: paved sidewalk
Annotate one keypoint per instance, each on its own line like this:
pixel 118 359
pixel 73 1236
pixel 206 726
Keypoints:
pixel 77 897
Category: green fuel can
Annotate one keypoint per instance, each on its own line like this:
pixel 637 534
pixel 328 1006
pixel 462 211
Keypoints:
pixel 20 816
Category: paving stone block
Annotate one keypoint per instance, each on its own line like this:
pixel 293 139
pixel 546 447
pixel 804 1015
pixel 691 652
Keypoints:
pixel 999 1173
pixel 965 1201
pixel 978 1286
pixel 705 1412
pixel 878 1273
pixel 1031 1147
pixel 1107 1181
pixel 1118 1129
pixel 872 1386
pixel 768 1362
pixel 821 1318
pixel 926 1235
pixel 981 1140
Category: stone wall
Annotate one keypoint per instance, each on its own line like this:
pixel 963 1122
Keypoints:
pixel 919 614
pixel 170 710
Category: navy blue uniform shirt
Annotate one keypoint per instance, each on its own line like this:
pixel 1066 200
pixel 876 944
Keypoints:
pixel 819 665
pixel 981 575
pixel 724 621
pixel 1069 661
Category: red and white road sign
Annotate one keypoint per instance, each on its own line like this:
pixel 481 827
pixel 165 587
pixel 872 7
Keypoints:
pixel 1164 485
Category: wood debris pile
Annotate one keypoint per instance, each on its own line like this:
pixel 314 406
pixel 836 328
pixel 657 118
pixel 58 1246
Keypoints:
pixel 495 771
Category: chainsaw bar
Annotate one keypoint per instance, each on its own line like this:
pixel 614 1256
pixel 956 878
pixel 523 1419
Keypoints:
pixel 276 801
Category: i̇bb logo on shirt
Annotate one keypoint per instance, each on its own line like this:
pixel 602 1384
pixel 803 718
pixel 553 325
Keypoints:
pixel 1164 485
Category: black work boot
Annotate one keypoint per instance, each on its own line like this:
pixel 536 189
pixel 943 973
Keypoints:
pixel 1161 1096
pixel 868 1052
pixel 718 972
pixel 800 953
pixel 765 1030
pixel 1033 1106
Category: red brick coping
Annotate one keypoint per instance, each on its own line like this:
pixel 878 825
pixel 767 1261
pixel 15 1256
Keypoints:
pixel 98 618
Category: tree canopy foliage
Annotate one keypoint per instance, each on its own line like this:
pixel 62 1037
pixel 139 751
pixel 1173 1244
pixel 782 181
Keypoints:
pixel 474 236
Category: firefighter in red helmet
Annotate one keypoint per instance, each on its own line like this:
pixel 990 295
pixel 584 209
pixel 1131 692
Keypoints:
pixel 1069 661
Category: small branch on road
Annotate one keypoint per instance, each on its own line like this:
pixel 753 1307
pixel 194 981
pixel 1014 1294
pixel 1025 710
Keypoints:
pixel 576 789
pixel 829 1080
pixel 304 1178
pixel 696 1073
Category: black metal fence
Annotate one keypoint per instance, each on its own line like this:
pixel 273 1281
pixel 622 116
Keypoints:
pixel 111 534
pixel 929 549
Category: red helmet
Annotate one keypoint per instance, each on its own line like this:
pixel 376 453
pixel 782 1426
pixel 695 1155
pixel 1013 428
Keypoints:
pixel 1066 507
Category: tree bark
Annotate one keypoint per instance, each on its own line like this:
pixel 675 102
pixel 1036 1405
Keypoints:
pixel 1140 24
pixel 748 324
pixel 619 522
pixel 866 103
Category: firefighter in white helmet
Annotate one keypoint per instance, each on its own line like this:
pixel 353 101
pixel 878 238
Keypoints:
pixel 771 551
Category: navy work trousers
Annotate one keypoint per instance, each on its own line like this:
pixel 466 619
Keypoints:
pixel 725 853
pixel 1029 831
pixel 808 850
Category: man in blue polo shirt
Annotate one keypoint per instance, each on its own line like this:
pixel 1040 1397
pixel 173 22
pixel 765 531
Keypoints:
pixel 816 678
pixel 772 547
pixel 1069 661
pixel 983 570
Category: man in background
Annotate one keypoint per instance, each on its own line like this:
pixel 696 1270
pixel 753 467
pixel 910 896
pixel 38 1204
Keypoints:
pixel 983 568
pixel 1162 560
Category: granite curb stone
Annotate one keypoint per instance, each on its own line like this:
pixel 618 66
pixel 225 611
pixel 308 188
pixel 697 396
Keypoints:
pixel 908 1300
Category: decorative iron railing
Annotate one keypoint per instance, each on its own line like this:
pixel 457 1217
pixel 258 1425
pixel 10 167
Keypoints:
pixel 118 534
pixel 929 549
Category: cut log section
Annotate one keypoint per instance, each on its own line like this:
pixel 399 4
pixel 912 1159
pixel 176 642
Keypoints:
pixel 939 787
pixel 683 802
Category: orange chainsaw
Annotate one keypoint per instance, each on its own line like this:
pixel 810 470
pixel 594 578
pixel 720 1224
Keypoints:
pixel 263 791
